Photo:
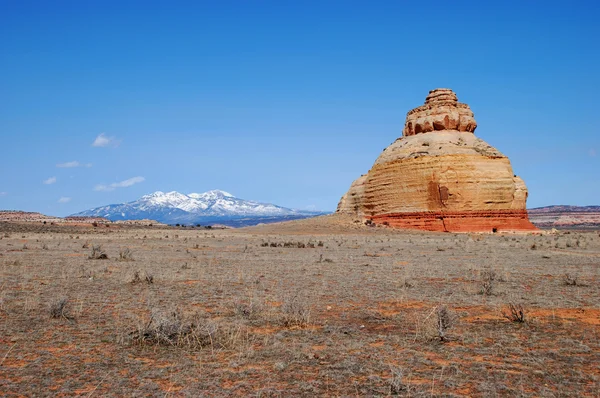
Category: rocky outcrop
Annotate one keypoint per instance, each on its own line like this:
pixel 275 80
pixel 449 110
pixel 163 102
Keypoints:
pixel 441 111
pixel 351 202
pixel 439 176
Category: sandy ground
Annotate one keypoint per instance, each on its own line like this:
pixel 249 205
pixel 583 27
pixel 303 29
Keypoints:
pixel 318 307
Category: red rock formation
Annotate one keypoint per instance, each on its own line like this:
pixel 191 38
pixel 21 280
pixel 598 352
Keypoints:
pixel 438 177
pixel 441 111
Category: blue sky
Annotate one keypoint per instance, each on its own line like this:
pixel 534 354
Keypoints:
pixel 284 102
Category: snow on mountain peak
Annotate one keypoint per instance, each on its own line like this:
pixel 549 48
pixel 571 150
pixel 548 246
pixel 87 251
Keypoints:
pixel 215 193
pixel 176 207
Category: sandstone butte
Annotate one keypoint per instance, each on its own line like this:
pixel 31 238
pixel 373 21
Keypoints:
pixel 440 177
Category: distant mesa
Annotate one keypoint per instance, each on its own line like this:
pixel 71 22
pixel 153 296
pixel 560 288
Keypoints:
pixel 439 177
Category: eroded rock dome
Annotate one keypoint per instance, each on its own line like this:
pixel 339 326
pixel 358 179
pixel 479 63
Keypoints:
pixel 439 176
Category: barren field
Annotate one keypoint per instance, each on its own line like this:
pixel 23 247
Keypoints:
pixel 318 307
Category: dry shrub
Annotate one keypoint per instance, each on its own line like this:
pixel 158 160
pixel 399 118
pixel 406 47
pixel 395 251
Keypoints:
pixel 251 309
pixel 437 324
pixel 488 278
pixel 445 320
pixel 571 280
pixel 97 253
pixel 125 254
pixel 397 385
pixel 514 313
pixel 194 332
pixel 295 312
pixel 139 278
pixel 58 308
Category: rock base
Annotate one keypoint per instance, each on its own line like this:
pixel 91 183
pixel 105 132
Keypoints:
pixel 465 221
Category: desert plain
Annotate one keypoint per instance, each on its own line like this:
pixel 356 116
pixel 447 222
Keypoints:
pixel 318 307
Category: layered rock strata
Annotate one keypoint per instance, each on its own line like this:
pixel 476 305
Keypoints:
pixel 440 177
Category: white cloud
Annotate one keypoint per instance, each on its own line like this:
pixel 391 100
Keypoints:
pixel 50 180
pixel 3 193
pixel 64 199
pixel 72 164
pixel 103 141
pixel 592 152
pixel 122 184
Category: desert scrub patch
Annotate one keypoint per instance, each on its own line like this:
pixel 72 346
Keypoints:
pixel 292 244
pixel 189 332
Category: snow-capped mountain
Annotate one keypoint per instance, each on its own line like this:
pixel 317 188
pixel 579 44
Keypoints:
pixel 209 207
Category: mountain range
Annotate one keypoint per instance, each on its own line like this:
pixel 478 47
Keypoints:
pixel 212 207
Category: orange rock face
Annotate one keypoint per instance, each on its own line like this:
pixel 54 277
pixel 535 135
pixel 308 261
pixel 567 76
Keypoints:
pixel 440 177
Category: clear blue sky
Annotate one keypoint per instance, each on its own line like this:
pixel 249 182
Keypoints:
pixel 284 102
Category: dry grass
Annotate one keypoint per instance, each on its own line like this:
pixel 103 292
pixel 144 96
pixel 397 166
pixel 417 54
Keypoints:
pixel 218 313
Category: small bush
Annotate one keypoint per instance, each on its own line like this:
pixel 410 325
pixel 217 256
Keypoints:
pixel 445 320
pixel 139 278
pixel 125 254
pixel 58 309
pixel 571 280
pixel 397 385
pixel 488 278
pixel 251 309
pixel 97 253
pixel 515 313
pixel 295 312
